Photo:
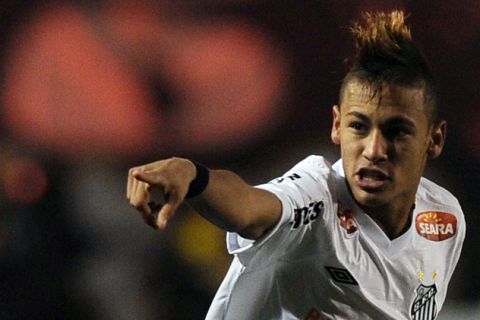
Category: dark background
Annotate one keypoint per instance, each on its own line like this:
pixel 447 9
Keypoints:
pixel 92 88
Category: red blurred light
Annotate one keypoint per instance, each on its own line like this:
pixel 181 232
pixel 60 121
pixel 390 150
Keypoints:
pixel 24 181
pixel 70 91
pixel 66 92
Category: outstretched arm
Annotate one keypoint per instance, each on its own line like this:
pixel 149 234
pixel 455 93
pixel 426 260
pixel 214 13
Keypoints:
pixel 227 201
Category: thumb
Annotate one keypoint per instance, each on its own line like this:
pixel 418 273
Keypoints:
pixel 165 214
pixel 168 209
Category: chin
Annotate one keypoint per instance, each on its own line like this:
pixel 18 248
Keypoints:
pixel 366 199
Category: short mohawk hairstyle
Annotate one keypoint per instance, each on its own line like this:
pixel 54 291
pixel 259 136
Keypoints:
pixel 387 54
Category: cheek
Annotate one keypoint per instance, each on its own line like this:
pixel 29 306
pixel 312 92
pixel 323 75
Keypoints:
pixel 350 148
pixel 412 164
pixel 349 154
pixel 411 152
pixel 414 154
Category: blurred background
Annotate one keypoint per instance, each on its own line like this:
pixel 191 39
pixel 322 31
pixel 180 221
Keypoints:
pixel 89 89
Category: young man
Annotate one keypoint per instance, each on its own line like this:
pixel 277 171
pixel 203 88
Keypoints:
pixel 366 238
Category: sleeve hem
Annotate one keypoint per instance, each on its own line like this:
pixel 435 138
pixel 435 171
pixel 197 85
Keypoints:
pixel 238 245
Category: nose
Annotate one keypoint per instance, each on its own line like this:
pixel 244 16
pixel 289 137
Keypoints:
pixel 376 147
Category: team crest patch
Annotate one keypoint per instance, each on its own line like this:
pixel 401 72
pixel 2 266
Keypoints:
pixel 424 306
pixel 347 221
pixel 436 226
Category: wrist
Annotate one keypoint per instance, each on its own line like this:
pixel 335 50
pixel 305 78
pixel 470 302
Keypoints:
pixel 200 182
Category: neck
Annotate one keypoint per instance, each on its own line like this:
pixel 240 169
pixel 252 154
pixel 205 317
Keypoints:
pixel 393 221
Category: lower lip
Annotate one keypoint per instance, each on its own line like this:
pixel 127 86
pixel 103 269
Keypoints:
pixel 370 184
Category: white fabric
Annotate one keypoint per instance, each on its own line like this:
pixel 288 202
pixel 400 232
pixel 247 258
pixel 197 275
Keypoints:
pixel 285 275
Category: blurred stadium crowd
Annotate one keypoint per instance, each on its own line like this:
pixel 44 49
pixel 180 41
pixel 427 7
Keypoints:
pixel 91 88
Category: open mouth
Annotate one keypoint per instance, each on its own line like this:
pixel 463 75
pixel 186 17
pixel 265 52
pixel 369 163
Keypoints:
pixel 371 179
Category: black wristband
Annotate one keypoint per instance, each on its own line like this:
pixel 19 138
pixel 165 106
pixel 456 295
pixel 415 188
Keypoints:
pixel 199 184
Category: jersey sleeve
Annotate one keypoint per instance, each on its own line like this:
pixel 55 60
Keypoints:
pixel 303 191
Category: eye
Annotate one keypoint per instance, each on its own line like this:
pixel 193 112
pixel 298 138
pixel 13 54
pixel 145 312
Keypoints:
pixel 358 126
pixel 398 132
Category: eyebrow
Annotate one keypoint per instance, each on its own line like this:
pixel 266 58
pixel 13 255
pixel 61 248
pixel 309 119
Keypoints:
pixel 359 115
pixel 396 120
pixel 399 120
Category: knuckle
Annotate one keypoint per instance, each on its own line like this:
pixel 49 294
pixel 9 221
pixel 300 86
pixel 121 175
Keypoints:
pixel 132 169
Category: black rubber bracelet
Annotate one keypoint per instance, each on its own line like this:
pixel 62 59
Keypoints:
pixel 199 184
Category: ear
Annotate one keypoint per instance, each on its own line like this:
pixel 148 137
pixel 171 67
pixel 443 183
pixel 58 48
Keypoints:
pixel 335 135
pixel 437 139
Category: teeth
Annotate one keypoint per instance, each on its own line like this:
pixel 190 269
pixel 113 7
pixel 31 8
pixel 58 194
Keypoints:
pixel 371 178
pixel 372 175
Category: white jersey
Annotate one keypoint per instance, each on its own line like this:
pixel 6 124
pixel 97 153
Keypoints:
pixel 327 259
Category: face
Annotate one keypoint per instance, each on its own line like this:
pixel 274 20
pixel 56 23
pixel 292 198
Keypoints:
pixel 385 141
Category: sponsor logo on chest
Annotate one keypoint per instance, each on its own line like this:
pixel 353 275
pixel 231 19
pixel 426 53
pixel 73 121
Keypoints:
pixel 436 226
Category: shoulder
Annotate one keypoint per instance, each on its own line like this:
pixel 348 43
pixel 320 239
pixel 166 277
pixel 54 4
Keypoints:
pixel 437 196
pixel 439 213
pixel 308 185
pixel 315 163
pixel 441 223
pixel 312 174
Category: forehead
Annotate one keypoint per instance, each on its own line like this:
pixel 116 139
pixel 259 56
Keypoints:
pixel 387 99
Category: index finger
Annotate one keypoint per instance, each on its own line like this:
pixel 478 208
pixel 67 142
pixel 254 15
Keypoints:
pixel 153 177
pixel 130 182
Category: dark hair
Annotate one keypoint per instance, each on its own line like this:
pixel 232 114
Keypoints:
pixel 386 54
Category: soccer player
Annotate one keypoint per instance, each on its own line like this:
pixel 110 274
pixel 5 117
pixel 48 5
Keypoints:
pixel 366 238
